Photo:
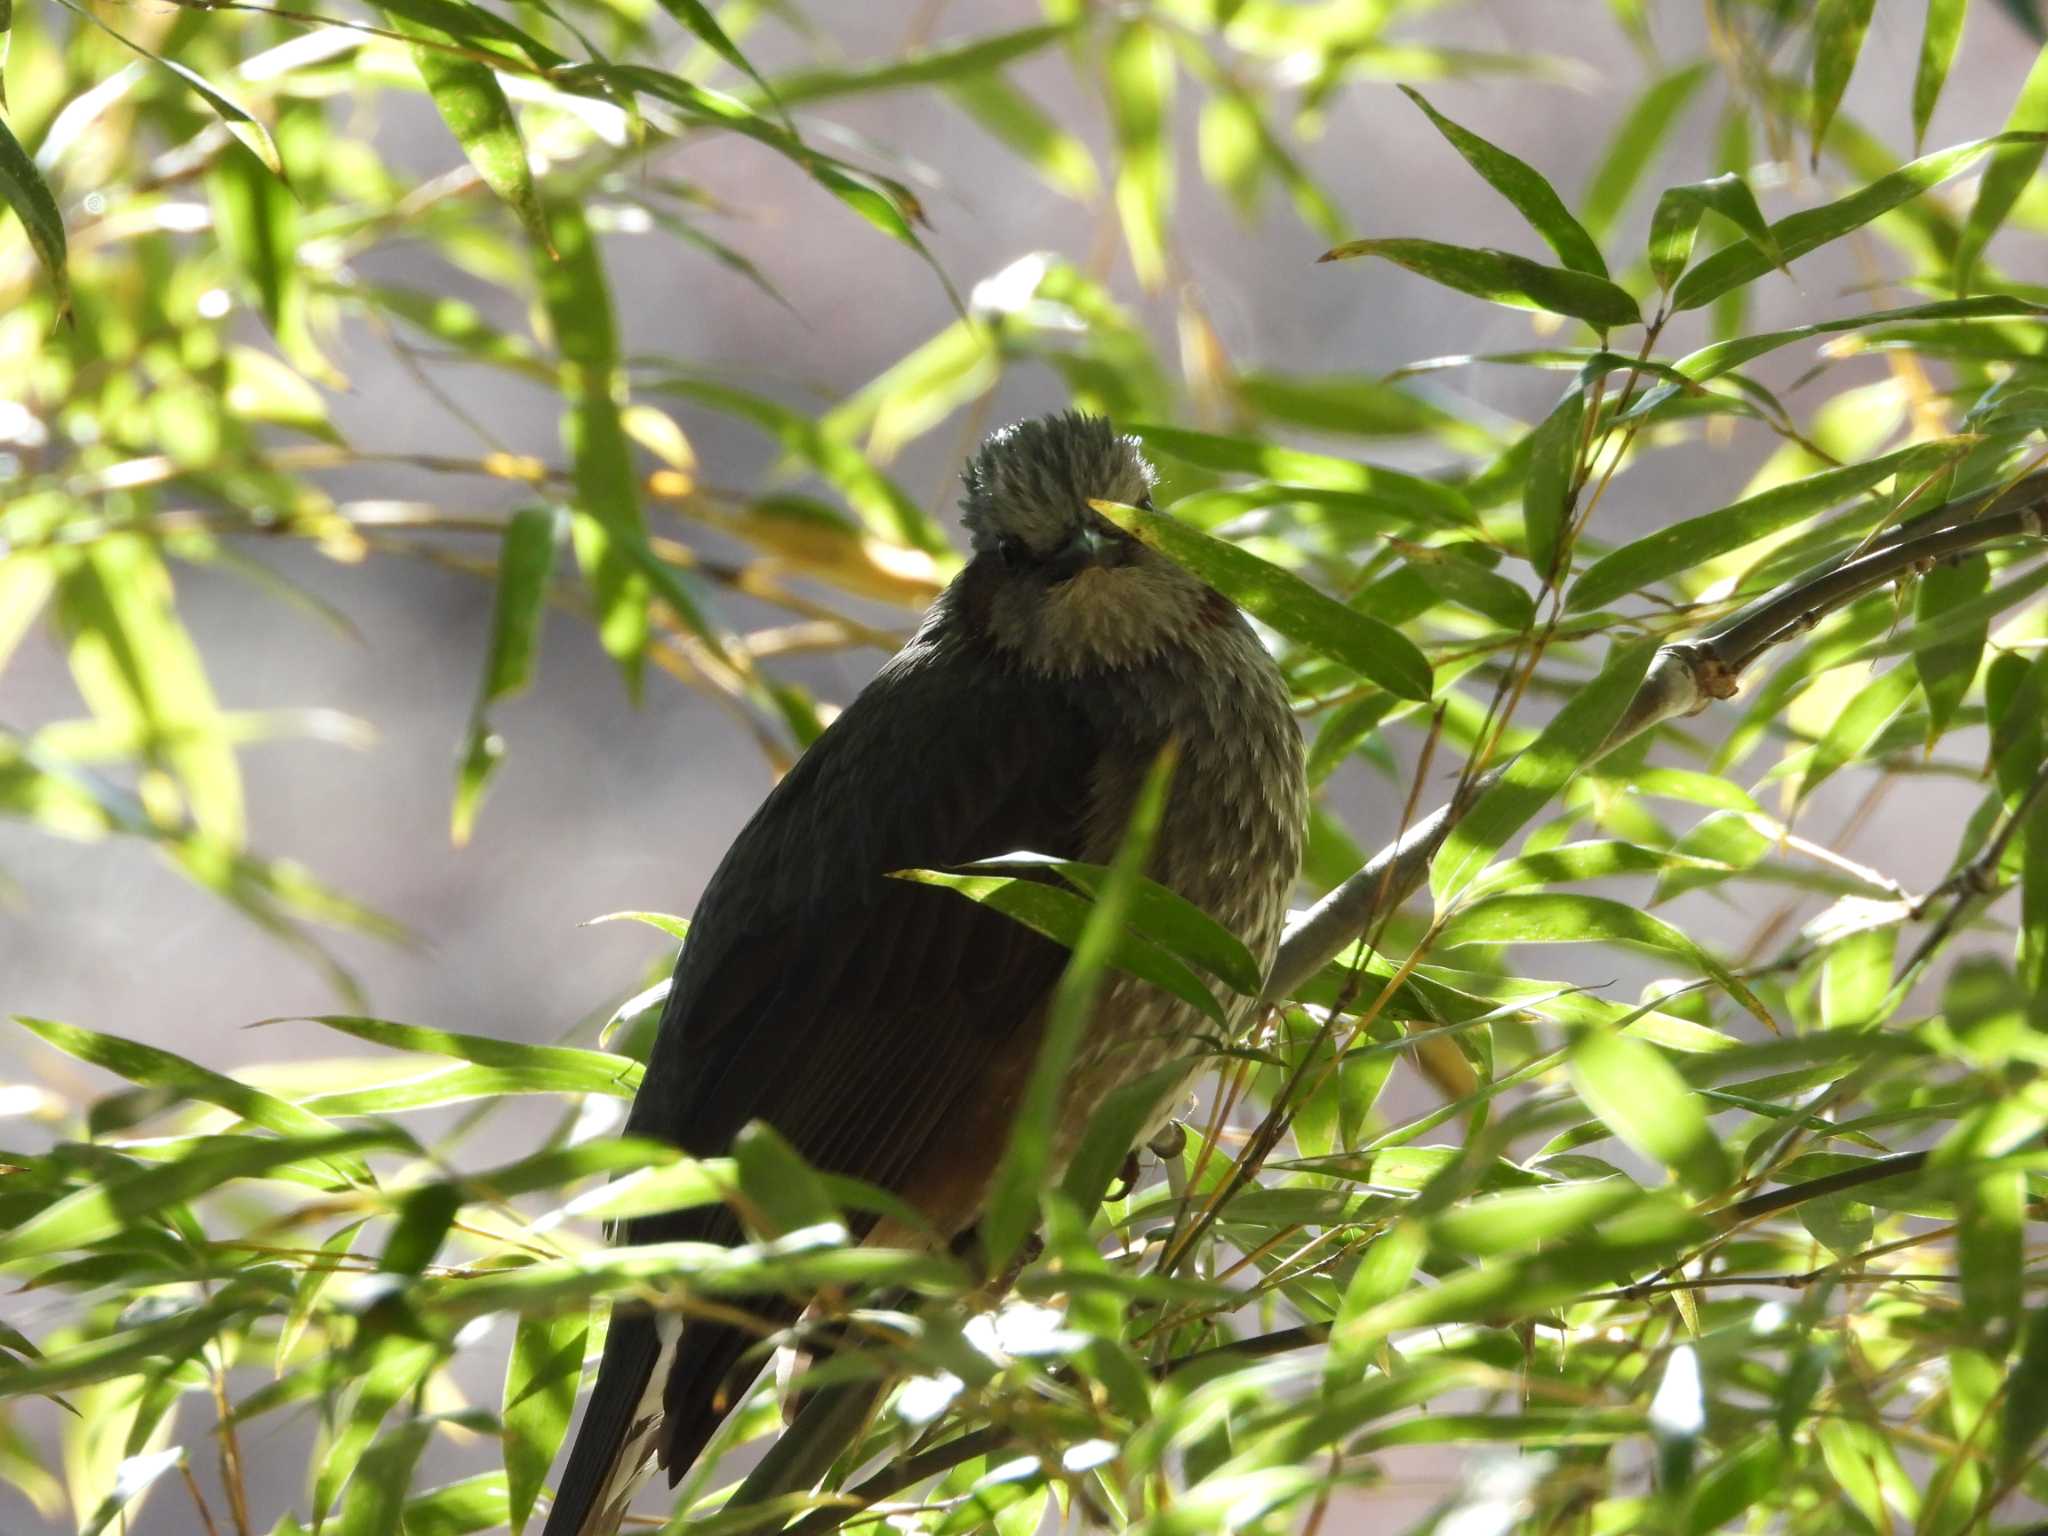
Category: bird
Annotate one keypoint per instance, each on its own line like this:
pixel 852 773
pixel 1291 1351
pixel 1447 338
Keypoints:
pixel 885 1028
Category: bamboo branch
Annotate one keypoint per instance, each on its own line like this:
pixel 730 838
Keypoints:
pixel 1684 678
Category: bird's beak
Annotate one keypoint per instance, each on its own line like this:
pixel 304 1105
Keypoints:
pixel 1084 549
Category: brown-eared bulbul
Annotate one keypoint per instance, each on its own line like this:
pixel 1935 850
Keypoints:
pixel 885 1028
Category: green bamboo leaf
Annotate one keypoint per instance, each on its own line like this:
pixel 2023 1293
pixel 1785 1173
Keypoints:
pixel 1712 361
pixel 473 105
pixel 2026 1397
pixel 1641 134
pixel 1547 492
pixel 1386 1271
pixel 156 1068
pixel 1687 544
pixel 677 928
pixel 1600 859
pixel 1991 1212
pixel 1523 186
pixel 2011 171
pixel 1566 744
pixel 1947 667
pixel 479 1503
pixel 141 1193
pixel 778 1183
pixel 1114 1129
pixel 29 196
pixel 130 1350
pixel 1012 1206
pixel 697 17
pixel 606 527
pixel 1938 42
pixel 1165 916
pixel 375 1500
pixel 391 1367
pixel 549 1068
pixel 526 564
pixel 1560 918
pixel 540 1393
pixel 1377 652
pixel 1063 917
pixel 139 670
pixel 1520 1220
pixel 232 113
pixel 1504 278
pixel 1640 1097
pixel 1140 72
pixel 1799 233
pixel 1853 731
pixel 477 31
pixel 1677 217
pixel 943 66
pixel 1293 468
pixel 1838 30
pixel 1062 161
pixel 1354 405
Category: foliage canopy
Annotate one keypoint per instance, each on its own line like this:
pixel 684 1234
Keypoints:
pixel 1749 1245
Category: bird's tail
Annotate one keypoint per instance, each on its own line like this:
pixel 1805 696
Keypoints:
pixel 617 1445
pixel 663 1390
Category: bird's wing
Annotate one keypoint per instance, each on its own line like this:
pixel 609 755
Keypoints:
pixel 853 1012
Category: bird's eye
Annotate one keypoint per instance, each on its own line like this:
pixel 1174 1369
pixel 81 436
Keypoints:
pixel 1012 552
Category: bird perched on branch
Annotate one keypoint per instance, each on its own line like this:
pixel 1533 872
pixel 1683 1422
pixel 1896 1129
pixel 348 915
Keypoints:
pixel 886 1029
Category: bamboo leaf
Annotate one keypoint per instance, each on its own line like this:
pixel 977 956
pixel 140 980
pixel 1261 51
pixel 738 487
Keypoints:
pixel 526 564
pixel 1687 544
pixel 1377 652
pixel 1063 917
pixel 1799 233
pixel 1140 71
pixel 29 196
pixel 1014 1190
pixel 540 1393
pixel 2012 169
pixel 1640 1097
pixel 473 105
pixel 1523 186
pixel 1503 278
pixel 1558 918
pixel 1838 30
pixel 1566 744
pixel 1548 492
pixel 1676 221
pixel 1938 41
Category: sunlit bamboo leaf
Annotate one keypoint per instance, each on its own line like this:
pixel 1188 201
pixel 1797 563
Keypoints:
pixel 1503 278
pixel 473 105
pixel 1376 651
pixel 1523 186
pixel 540 1392
pixel 1566 743
pixel 1838 29
pixel 22 185
pixel 1687 544
pixel 526 563
pixel 1677 217
pixel 1141 75
pixel 1641 1098
pixel 1063 917
pixel 1558 918
pixel 2012 169
pixel 606 527
pixel 1799 233
pixel 1547 493
pixel 1012 1204
pixel 1938 41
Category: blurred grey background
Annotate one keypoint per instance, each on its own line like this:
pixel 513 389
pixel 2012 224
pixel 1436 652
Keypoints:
pixel 600 806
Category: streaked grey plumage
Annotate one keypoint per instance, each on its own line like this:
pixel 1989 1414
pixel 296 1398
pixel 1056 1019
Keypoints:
pixel 886 1029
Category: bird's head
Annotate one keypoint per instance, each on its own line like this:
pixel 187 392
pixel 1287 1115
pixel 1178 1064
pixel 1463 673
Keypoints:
pixel 1053 581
